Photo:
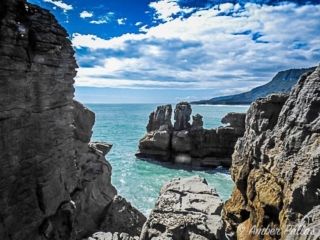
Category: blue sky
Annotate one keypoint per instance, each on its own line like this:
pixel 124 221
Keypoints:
pixel 174 50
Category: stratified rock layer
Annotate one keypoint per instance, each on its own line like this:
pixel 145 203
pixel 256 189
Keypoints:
pixel 276 165
pixel 190 143
pixel 37 171
pixel 54 184
pixel 187 208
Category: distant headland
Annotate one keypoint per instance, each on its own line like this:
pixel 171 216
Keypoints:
pixel 282 82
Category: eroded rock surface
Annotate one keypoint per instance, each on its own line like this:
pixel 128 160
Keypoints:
pixel 121 216
pixel 190 143
pixel 182 114
pixel 37 172
pixel 187 208
pixel 276 164
pixel 112 236
pixel 160 119
pixel 54 184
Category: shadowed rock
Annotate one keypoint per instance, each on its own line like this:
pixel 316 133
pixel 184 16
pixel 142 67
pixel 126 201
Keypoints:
pixel 54 185
pixel 121 216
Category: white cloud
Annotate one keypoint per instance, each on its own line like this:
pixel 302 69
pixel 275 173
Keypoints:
pixel 103 19
pixel 60 4
pixel 207 50
pixel 121 21
pixel 86 14
pixel 94 42
pixel 138 23
pixel 165 9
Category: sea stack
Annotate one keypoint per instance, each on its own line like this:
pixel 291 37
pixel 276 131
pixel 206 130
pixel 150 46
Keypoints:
pixel 189 143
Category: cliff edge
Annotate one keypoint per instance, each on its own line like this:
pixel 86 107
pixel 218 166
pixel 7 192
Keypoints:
pixel 276 165
pixel 54 184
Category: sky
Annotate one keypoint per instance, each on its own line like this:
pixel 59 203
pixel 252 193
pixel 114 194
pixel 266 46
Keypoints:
pixel 167 51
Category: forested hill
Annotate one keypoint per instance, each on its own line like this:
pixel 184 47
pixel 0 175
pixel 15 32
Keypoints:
pixel 282 82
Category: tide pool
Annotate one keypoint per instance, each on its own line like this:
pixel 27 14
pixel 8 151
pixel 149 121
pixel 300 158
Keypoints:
pixel 140 181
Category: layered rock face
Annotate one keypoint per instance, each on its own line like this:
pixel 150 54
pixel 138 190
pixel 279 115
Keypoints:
pixel 37 172
pixel 190 143
pixel 54 184
pixel 186 209
pixel 276 165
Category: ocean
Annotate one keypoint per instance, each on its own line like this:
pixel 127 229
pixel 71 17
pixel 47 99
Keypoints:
pixel 140 181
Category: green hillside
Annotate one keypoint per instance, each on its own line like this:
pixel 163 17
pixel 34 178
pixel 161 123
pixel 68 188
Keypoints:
pixel 282 82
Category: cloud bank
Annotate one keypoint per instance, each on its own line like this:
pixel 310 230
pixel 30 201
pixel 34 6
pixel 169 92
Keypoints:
pixel 227 46
pixel 60 4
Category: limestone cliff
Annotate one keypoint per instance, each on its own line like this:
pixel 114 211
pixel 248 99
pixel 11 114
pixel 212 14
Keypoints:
pixel 190 143
pixel 54 184
pixel 36 122
pixel 276 165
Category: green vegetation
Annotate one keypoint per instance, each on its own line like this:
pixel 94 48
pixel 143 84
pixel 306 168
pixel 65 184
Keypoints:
pixel 282 82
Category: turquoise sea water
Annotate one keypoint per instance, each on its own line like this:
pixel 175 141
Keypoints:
pixel 140 181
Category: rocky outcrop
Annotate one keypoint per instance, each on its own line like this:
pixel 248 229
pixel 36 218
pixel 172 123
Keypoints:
pixel 37 172
pixel 182 114
pixel 190 143
pixel 54 184
pixel 121 216
pixel 276 165
pixel 160 119
pixel 186 209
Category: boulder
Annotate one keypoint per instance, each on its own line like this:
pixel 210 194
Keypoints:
pixel 103 147
pixel 187 208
